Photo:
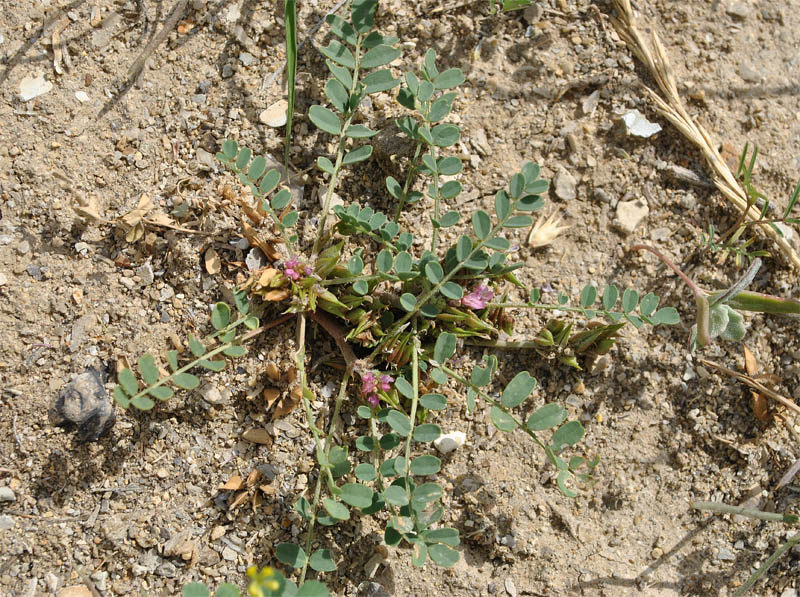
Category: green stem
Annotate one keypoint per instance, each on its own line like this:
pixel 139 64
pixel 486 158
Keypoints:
pixel 409 177
pixel 212 353
pixel 794 540
pixel 290 19
pixel 436 202
pixel 339 153
pixel 413 415
pixel 367 277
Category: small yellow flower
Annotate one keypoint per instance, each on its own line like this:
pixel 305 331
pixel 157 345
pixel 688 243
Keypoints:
pixel 545 231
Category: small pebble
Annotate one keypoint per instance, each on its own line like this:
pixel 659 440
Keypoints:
pixel 565 185
pixel 145 272
pixel 630 214
pixel 246 58
pixel 7 494
pixel 275 115
pixel 24 248
pixel 84 403
pixel 81 96
pixel 3 279
pixel 511 589
pixel 450 441
pixel 726 555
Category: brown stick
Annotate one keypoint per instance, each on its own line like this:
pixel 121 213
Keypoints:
pixel 169 25
pixel 753 384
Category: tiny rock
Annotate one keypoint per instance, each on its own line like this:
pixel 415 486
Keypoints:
pixel 630 214
pixel 3 279
pixel 7 494
pixel 31 87
pixel 81 96
pixel 450 441
pixel 737 10
pixel 748 73
pixel 211 394
pixel 511 589
pixel 257 436
pixel 275 115
pixel 145 272
pixel 84 403
pixel 590 102
pixel 565 185
pixel 637 125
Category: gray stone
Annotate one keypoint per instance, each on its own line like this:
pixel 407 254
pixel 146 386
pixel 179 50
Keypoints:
pixel 3 279
pixel 227 71
pixel 211 394
pixel 80 329
pixel 34 271
pixel 52 581
pixel 167 569
pixel 630 214
pixel 738 10
pixel 145 272
pixel 84 403
pixel 7 522
pixel 7 495
pixel 246 58
pixel 565 185
pixel 371 589
pixel 510 588
pixel 24 247
pixel 166 293
pixel 748 73
pixel 726 555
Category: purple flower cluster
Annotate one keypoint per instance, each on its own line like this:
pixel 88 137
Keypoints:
pixel 371 383
pixel 293 269
pixel 478 298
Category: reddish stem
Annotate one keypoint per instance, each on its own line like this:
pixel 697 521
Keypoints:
pixel 696 290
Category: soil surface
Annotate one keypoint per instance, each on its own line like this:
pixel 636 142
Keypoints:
pixel 142 508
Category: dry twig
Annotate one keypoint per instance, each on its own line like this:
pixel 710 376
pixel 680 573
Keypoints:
pixel 653 55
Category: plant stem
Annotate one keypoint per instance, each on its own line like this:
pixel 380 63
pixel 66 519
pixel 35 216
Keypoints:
pixel 409 177
pixel 290 18
pixel 696 290
pixel 742 511
pixel 413 415
pixel 339 153
pixel 436 202
pixel 794 540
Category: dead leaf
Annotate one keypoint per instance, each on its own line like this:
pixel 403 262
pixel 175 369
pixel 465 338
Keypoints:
pixel 276 295
pixel 235 483
pixel 266 277
pixel 255 240
pixel 760 403
pixel 212 260
pixel 267 489
pixel 122 363
pixel 288 404
pixel 253 478
pixel 238 500
pixel 271 395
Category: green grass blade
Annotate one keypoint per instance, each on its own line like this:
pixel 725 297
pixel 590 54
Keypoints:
pixel 290 17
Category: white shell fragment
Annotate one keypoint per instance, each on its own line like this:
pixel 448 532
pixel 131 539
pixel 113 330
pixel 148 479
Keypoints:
pixel 31 87
pixel 275 115
pixel 450 441
pixel 636 124
pixel 81 96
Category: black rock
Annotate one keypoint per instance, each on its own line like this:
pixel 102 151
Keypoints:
pixel 84 403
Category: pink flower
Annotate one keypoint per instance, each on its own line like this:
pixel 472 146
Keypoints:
pixel 386 383
pixel 373 400
pixel 478 298
pixel 290 268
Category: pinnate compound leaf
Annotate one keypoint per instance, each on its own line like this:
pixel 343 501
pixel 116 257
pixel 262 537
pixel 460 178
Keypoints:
pixel 148 369
pixel 359 131
pixel 588 296
pixel 291 554
pixel 563 477
pixel 195 589
pixel 502 420
pixel 452 77
pixel 568 434
pixel 381 80
pixel 196 346
pixel 630 298
pixel 433 401
pixel 518 389
pixel 336 509
pixel 128 381
pixel 161 392
pixel 610 296
pixel 445 347
pixel 322 561
pixel 142 403
pixel 667 316
pixel 356 495
pixel 481 224
pixel 445 135
pixel 312 588
pixel 357 155
pixel 380 55
pixel 452 291
pixel 339 54
pixel 220 316
pixel 325 120
pixel 443 555
pixel 120 397
pixel 186 381
pixel 649 303
pixel 399 422
pixel 547 417
pixel 425 465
